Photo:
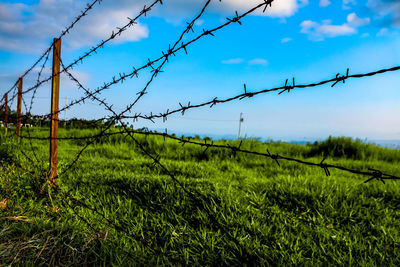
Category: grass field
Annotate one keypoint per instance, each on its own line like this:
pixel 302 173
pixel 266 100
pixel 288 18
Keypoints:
pixel 116 208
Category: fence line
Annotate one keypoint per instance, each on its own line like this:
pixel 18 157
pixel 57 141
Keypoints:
pixel 156 159
pixel 286 88
pixel 373 173
pixel 119 117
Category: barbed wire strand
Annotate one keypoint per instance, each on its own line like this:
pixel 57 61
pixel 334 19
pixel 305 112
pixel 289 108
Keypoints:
pixel 372 174
pixel 165 55
pixel 109 107
pixel 65 196
pixel 28 129
pixel 287 88
pixel 94 49
pixel 275 157
pixel 189 28
pixel 156 160
pixel 63 33
pixel 38 79
pixel 246 94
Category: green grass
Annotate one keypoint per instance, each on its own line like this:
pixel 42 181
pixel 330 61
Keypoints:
pixel 288 215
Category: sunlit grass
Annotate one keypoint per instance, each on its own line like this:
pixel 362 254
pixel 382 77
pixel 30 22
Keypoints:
pixel 291 214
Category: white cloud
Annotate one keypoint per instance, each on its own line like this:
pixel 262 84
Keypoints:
pixel 253 62
pixel 324 3
pixel 354 21
pixel 336 30
pixel 199 22
pixel 29 29
pixel 176 10
pixel 36 24
pixel 319 31
pixel 31 78
pixel 346 4
pixel 385 8
pixel 232 61
pixel 97 29
pixel 81 76
pixel 303 3
pixel 3 12
pixel 282 8
pixel 258 61
pixel 383 32
pixel 286 40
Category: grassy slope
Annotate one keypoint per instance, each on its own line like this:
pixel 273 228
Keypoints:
pixel 288 215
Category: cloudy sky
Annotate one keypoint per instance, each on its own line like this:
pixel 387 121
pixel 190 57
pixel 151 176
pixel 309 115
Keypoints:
pixel 310 40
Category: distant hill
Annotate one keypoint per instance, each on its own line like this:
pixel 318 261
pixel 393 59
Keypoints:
pixel 392 144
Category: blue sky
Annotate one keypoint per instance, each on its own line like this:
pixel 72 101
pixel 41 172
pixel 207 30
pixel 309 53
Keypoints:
pixel 308 40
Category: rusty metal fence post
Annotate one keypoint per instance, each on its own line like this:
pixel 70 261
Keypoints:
pixel 19 103
pixel 55 92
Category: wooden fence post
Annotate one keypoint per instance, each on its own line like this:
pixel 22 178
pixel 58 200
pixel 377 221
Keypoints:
pixel 55 91
pixel 19 103
pixel 5 111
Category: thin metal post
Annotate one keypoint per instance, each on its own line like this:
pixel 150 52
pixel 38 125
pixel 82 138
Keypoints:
pixel 19 104
pixel 240 124
pixel 55 93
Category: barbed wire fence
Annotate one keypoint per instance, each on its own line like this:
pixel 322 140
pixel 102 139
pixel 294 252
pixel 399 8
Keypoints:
pixel 156 66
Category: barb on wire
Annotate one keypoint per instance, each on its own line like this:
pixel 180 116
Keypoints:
pixel 325 167
pixel 274 157
pixel 376 174
pixel 341 78
pixel 288 87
